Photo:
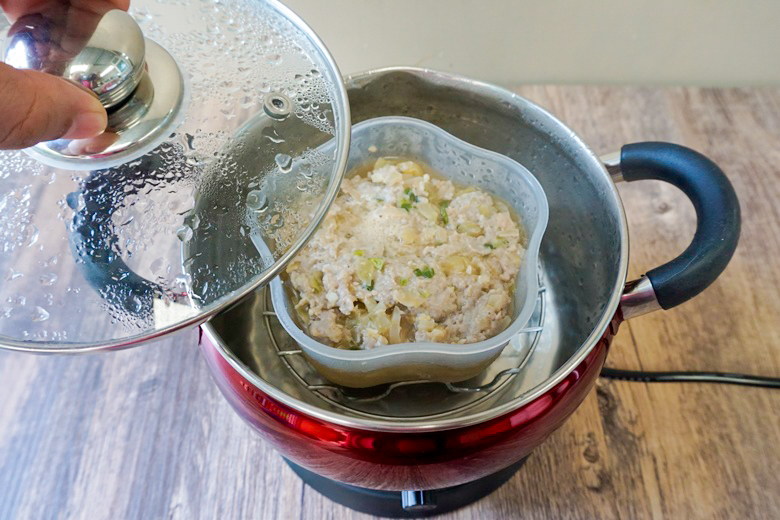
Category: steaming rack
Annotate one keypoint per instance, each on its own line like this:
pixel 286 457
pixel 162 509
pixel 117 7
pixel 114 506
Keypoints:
pixel 384 401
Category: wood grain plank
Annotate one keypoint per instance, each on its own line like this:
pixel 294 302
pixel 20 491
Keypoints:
pixel 145 434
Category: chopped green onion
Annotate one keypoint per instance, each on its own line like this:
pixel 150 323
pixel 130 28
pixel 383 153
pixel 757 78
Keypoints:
pixel 358 252
pixel 315 282
pixel 403 281
pixel 378 263
pixel 407 202
pixel 443 211
pixel 425 272
pixel 444 218
pixel 490 246
pixel 370 287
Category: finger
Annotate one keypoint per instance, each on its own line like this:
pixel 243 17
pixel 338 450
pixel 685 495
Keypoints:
pixel 13 9
pixel 39 107
pixel 93 145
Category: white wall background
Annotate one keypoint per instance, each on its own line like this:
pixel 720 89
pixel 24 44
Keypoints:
pixel 702 42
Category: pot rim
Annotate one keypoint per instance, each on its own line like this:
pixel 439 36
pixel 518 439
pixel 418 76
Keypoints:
pixel 546 119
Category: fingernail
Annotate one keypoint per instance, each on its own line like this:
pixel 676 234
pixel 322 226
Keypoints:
pixel 93 145
pixel 87 124
pixel 94 148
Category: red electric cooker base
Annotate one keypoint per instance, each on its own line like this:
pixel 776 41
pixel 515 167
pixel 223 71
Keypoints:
pixel 402 461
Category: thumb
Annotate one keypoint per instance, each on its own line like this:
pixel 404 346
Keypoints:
pixel 35 107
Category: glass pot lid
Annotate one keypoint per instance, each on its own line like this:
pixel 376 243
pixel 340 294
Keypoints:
pixel 207 184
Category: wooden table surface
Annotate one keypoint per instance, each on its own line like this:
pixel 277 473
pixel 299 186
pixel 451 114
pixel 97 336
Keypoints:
pixel 145 434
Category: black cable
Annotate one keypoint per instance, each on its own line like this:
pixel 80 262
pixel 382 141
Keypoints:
pixel 690 377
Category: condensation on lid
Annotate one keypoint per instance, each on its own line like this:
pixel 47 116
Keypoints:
pixel 112 257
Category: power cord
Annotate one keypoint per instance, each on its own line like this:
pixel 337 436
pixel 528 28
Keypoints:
pixel 690 377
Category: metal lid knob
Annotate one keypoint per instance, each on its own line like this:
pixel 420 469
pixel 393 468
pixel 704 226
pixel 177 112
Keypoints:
pixel 112 63
pixel 135 79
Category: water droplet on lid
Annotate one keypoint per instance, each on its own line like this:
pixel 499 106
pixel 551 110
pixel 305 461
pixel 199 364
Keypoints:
pixel 13 275
pixel 133 303
pixel 40 314
pixel 183 279
pixel 256 200
pixel 48 279
pixel 76 201
pixel 33 235
pixel 272 135
pixel 184 233
pixel 276 220
pixel 284 162
pixel 248 102
pixel 17 300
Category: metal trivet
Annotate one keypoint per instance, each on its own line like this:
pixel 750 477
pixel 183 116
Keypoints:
pixel 393 400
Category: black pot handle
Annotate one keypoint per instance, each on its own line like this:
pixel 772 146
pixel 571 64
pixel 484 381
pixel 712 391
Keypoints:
pixel 717 213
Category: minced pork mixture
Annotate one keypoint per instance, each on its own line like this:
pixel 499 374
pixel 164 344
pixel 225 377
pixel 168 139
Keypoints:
pixel 403 256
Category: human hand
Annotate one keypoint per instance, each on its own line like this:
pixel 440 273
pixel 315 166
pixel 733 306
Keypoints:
pixel 38 106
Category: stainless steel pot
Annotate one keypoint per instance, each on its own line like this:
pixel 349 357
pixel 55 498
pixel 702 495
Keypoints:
pixel 433 436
